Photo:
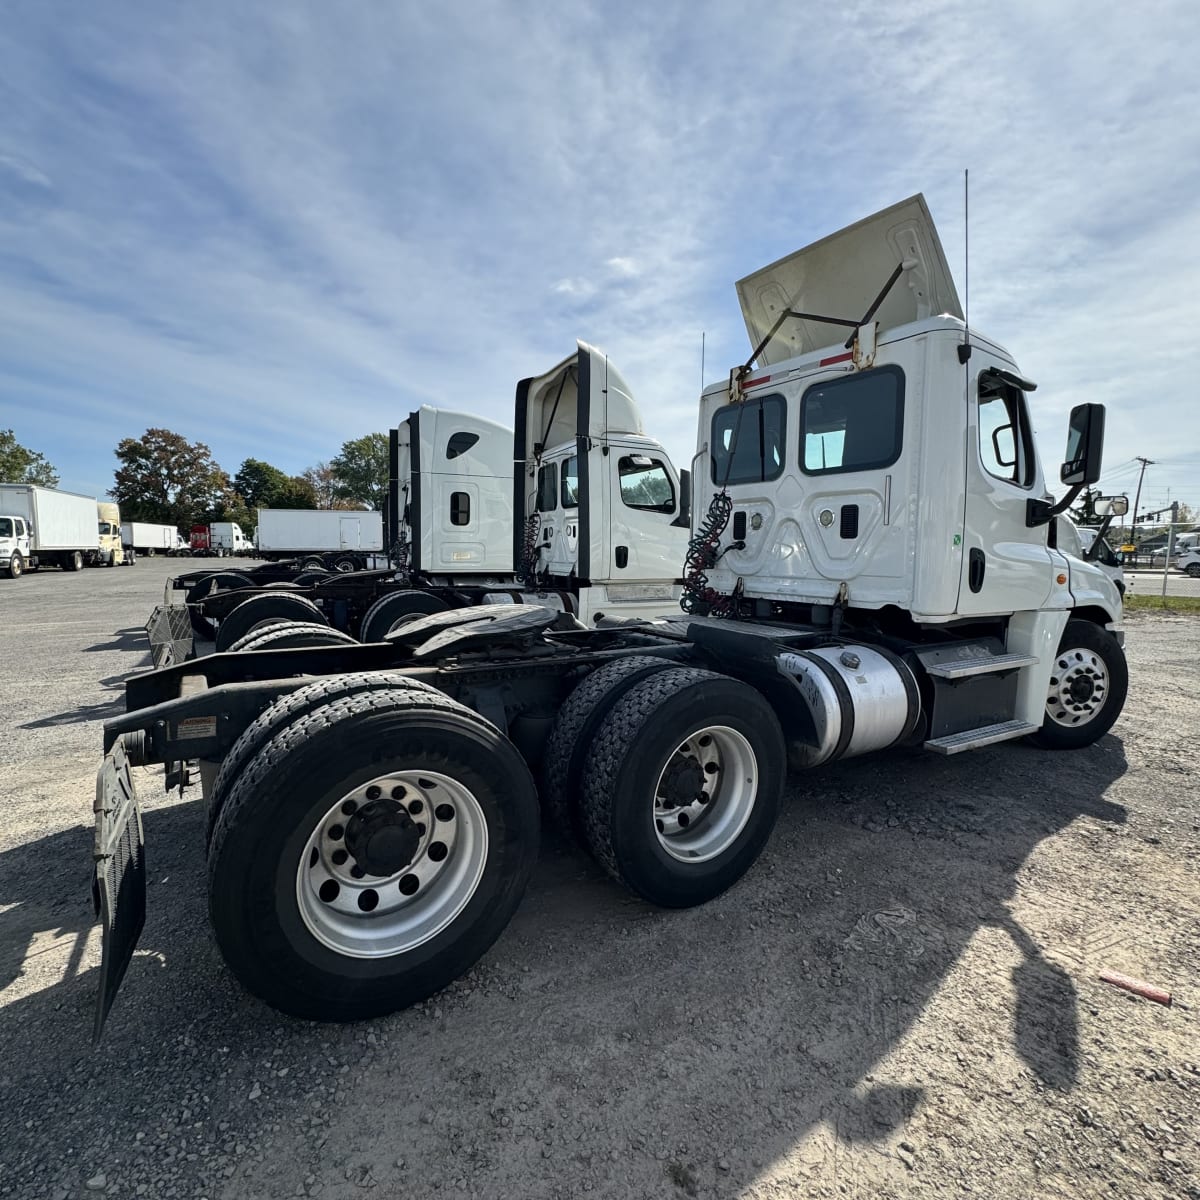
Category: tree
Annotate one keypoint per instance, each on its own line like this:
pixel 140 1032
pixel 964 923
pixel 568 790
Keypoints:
pixel 21 465
pixel 323 482
pixel 165 478
pixel 259 484
pixel 362 470
pixel 1084 512
pixel 296 492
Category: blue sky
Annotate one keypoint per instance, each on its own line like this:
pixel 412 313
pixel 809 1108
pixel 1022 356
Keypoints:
pixel 274 227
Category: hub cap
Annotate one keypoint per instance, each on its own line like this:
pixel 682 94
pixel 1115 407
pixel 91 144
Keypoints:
pixel 705 794
pixel 1078 687
pixel 391 864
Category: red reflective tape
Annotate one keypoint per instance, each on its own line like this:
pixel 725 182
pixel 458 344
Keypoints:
pixel 837 358
pixel 755 382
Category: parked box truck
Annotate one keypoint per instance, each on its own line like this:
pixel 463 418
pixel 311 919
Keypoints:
pixel 42 527
pixel 148 539
pixel 341 539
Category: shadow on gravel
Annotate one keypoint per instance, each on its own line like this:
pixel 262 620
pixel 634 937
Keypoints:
pixel 123 639
pixel 725 1034
pixel 100 711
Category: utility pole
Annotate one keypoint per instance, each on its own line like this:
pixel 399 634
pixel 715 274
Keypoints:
pixel 1146 462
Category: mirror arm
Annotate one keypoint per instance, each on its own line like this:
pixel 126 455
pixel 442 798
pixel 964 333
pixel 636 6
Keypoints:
pixel 1042 512
pixel 1092 553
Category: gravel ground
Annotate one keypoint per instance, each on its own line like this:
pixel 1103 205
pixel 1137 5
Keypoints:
pixel 900 999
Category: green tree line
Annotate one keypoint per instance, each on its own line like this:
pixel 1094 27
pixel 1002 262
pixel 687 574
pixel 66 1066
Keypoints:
pixel 163 478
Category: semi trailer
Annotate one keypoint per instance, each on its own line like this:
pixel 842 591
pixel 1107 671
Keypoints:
pixel 576 507
pixel 332 539
pixel 44 527
pixel 872 564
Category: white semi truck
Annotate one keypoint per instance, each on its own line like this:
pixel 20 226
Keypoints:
pixel 44 527
pixel 577 508
pixel 872 565
pixel 343 541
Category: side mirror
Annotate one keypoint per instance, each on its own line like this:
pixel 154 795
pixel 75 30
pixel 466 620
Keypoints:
pixel 1085 446
pixel 1006 453
pixel 1117 505
pixel 684 519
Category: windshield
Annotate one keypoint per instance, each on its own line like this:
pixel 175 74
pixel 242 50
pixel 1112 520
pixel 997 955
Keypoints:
pixel 107 529
pixel 6 527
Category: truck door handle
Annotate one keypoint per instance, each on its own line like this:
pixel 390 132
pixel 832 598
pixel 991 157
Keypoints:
pixel 975 570
pixel 622 556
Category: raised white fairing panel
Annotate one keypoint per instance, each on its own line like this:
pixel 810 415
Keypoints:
pixel 841 275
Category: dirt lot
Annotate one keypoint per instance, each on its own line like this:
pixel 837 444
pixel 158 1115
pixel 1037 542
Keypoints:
pixel 901 998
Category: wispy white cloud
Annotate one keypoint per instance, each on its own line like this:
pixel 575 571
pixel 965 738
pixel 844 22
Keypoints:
pixel 276 228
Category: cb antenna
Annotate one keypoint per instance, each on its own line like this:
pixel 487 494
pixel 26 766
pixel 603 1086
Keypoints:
pixel 964 351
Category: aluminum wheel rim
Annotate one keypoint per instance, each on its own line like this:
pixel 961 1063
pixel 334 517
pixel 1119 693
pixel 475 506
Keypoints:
pixel 369 916
pixel 1075 672
pixel 699 829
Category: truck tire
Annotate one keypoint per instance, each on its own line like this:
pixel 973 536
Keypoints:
pixel 343 564
pixel 1192 570
pixel 1087 688
pixel 255 631
pixel 73 561
pixel 389 610
pixel 16 566
pixel 287 710
pixel 290 635
pixel 572 733
pixel 683 785
pixel 309 577
pixel 314 564
pixel 257 608
pixel 370 854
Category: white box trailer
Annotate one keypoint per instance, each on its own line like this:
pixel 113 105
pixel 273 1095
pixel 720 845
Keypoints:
pixel 343 539
pixel 42 527
pixel 149 539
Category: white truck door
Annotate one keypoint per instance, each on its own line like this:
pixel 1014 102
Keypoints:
pixel 349 533
pixel 559 516
pixel 643 500
pixel 1007 566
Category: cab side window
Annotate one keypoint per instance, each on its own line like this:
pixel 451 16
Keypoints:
pixel 1005 437
pixel 645 483
pixel 547 488
pixel 570 482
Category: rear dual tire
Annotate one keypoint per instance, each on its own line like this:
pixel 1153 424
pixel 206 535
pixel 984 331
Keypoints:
pixel 294 925
pixel 683 783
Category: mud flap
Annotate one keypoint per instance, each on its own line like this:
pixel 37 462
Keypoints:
pixel 170 632
pixel 119 883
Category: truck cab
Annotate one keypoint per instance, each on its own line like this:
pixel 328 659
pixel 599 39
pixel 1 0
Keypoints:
pixel 890 480
pixel 112 546
pixel 598 505
pixel 452 494
pixel 14 543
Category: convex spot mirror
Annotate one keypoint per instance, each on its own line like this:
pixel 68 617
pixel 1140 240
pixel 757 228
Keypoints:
pixel 1112 506
pixel 1085 445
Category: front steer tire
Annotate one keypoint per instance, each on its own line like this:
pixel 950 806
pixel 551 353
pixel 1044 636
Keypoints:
pixel 1084 649
pixel 279 801
pixel 648 738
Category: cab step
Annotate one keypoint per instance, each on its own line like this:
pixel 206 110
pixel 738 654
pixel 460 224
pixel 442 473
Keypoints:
pixel 986 664
pixel 972 739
